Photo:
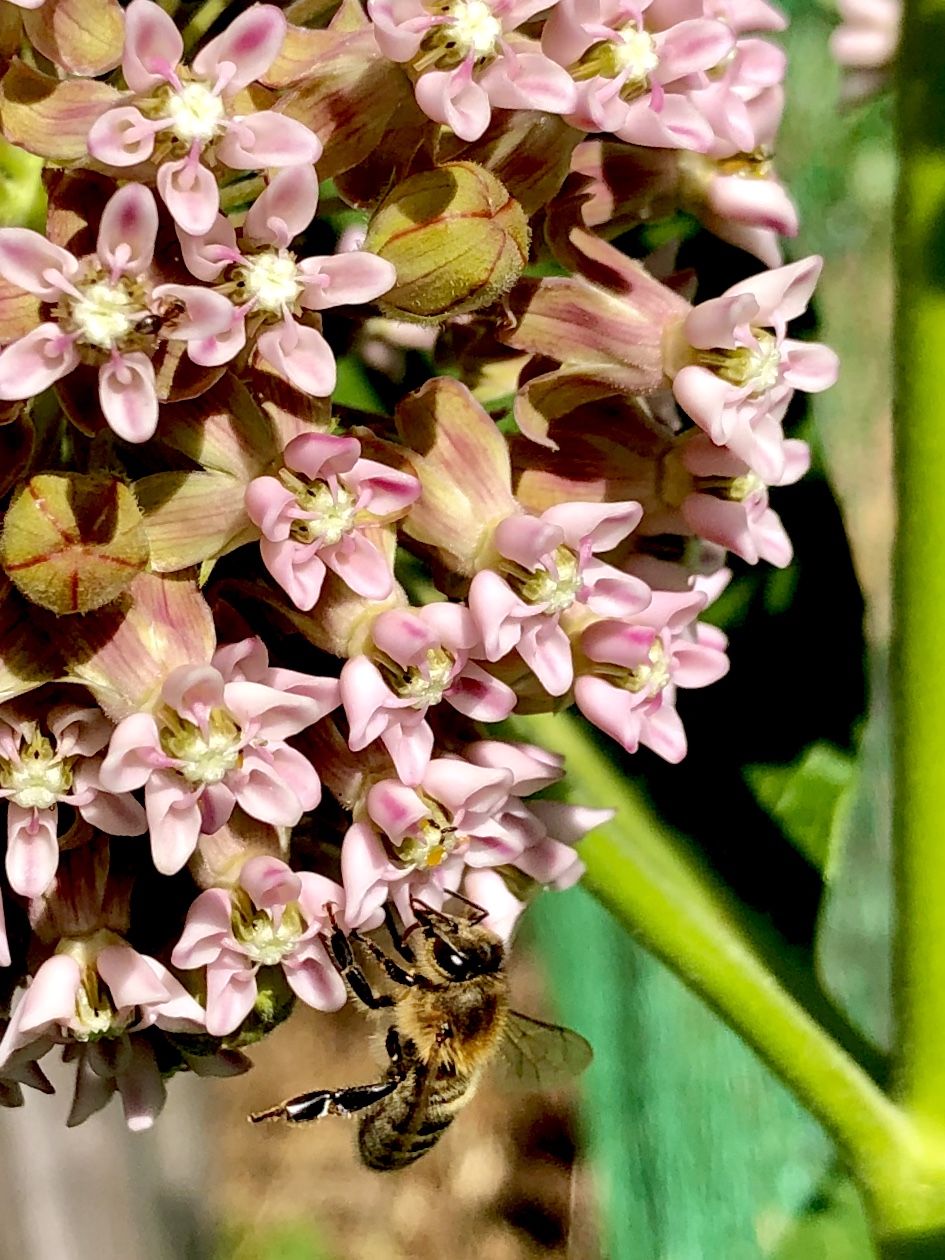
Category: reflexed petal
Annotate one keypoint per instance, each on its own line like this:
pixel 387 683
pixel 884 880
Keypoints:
pixel 153 46
pixel 231 992
pixel 285 208
pixel 245 50
pixel 130 980
pixel 190 192
pixel 32 849
pixel 410 748
pixel 31 262
pixel 51 995
pixel 267 139
pixel 206 312
pixel 173 820
pixel 126 390
pixel 316 982
pixel 300 354
pixel 123 136
pixel 365 871
pixel 529 81
pixel 351 278
pixel 206 256
pixel 207 930
pixel 128 230
pixel 34 362
pixel 361 566
pixel 452 97
pixel 784 293
pixel 270 882
pixel 809 366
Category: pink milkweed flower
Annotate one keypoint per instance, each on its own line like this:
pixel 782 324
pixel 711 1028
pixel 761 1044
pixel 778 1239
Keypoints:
pixel 268 285
pixel 546 564
pixel 422 656
pixel 98 308
pixel 634 66
pixel 465 59
pixel 729 502
pixel 47 763
pixel 734 377
pixel 465 814
pixel 627 687
pixel 93 995
pixel 274 917
pixel 192 110
pixel 866 44
pixel 313 514
pixel 217 740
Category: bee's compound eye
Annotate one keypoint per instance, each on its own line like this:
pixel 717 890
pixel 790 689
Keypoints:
pixel 450 960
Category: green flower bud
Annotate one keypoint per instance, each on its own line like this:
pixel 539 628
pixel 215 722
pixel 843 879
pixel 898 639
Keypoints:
pixel 456 237
pixel 72 542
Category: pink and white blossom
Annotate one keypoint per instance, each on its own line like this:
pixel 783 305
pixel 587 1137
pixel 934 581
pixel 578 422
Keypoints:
pixel 636 66
pixel 268 285
pixel 465 815
pixel 48 763
pixel 422 657
pixel 98 308
pixel 216 740
pixel 633 667
pixel 548 563
pixel 185 119
pixel 273 917
pixel 314 513
pixel 468 59
pixel 735 378
pixel 93 995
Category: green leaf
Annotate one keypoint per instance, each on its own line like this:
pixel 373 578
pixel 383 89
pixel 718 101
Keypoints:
pixel 834 1227
pixel 809 800
pixel 354 388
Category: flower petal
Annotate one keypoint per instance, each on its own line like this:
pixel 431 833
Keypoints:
pixel 267 139
pixel 128 230
pixel 35 361
pixel 126 390
pixel 285 209
pixel 153 46
pixel 300 354
pixel 190 192
pixel 245 50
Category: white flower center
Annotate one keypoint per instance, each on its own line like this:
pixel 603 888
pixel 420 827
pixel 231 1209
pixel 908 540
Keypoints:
pixel 333 513
pixel 263 941
pixel 758 367
pixel 555 585
pixel 208 756
pixel 429 687
pixel 473 27
pixel 432 840
pixel 195 113
pixel 40 778
pixel 653 675
pixel 96 1016
pixel 272 280
pixel 636 53
pixel 104 314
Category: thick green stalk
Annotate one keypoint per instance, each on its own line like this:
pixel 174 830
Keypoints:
pixel 648 879
pixel 919 600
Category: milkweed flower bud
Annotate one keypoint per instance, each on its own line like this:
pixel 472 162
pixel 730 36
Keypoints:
pixel 456 237
pixel 73 542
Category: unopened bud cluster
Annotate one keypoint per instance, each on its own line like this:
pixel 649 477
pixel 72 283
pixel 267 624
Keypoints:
pixel 256 643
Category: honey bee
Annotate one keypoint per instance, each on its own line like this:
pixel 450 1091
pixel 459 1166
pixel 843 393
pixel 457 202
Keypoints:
pixel 450 1019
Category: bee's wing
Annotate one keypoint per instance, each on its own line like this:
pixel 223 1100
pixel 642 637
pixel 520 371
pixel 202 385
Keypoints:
pixel 536 1055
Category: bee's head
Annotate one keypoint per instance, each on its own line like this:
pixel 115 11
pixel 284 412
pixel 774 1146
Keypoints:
pixel 454 949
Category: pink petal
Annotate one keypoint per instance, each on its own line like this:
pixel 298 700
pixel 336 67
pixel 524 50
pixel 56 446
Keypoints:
pixel 123 136
pixel 676 125
pixel 128 230
pixel 663 732
pixel 267 139
pixel 322 454
pixel 532 768
pixel 784 293
pixel 130 980
pixel 688 47
pixel 190 193
pixel 300 354
pixel 452 97
pixel 298 568
pixel 366 698
pixel 351 278
pixel 809 366
pixel 126 390
pixel 32 849
pixel 153 46
pixel 31 262
pixel 173 820
pixel 270 882
pixel 132 754
pixel 410 748
pixel 207 255
pixel 231 992
pixel 50 999
pixel 206 313
pixel 141 1088
pixel 529 81
pixel 396 808
pixel 480 696
pixel 316 982
pixel 245 50
pixel 364 872
pixel 285 208
pixel 716 323
pixel 499 613
pixel 546 650
pixel 360 566
pixel 207 930
pixel 603 524
pixel 279 794
pixel 32 363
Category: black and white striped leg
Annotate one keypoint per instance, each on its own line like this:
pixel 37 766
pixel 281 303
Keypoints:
pixel 343 957
pixel 392 969
pixel 328 1102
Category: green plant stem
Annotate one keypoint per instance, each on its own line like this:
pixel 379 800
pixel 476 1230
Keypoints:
pixel 645 875
pixel 919 570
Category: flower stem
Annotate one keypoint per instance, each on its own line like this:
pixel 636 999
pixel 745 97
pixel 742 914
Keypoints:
pixel 918 660
pixel 649 880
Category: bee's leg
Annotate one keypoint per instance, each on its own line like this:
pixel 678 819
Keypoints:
pixel 329 1102
pixel 344 959
pixel 397 935
pixel 392 969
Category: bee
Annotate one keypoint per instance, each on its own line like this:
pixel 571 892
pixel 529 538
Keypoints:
pixel 450 1018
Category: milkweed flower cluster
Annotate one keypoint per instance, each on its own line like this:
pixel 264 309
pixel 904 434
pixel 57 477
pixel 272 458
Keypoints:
pixel 259 626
